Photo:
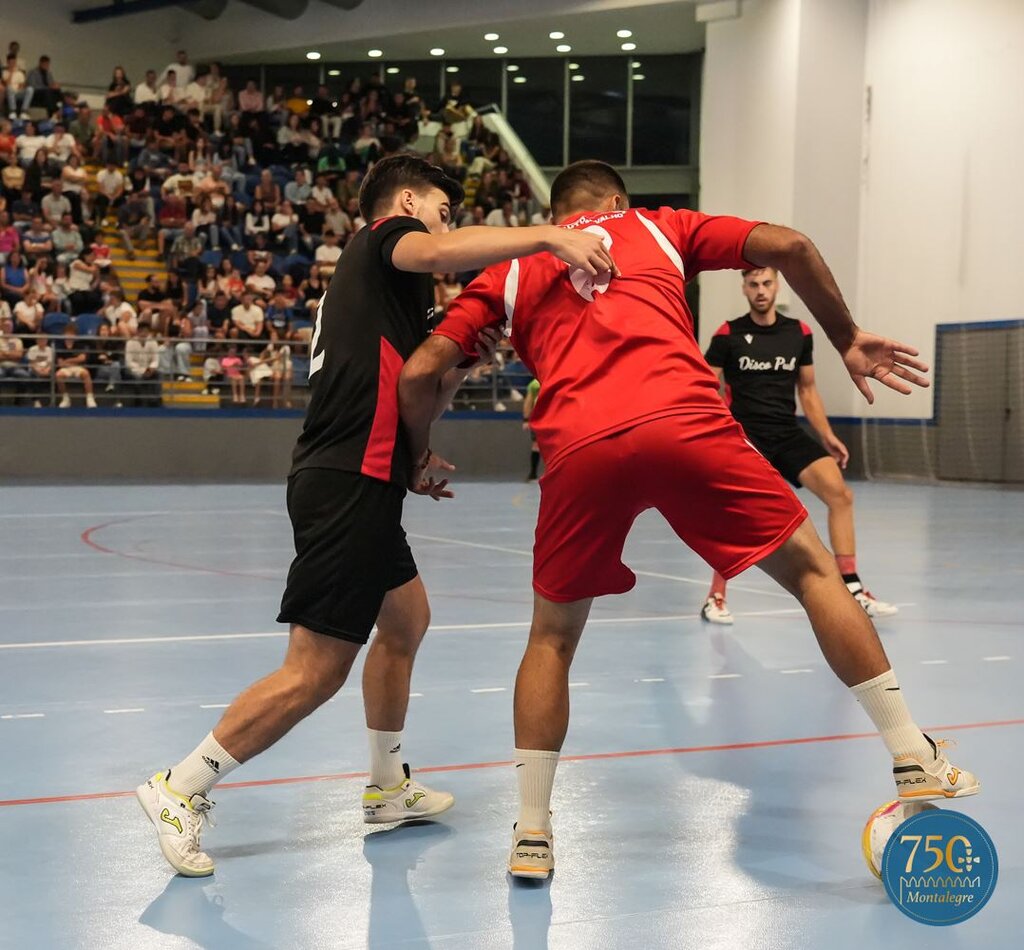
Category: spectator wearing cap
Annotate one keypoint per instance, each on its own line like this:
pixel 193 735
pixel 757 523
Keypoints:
pixel 46 89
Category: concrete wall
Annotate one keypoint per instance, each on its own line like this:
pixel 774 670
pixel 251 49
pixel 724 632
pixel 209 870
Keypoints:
pixel 163 446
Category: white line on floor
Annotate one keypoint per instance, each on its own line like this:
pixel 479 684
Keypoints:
pixel 214 705
pixel 701 582
pixel 24 716
pixel 490 689
pixel 574 685
pixel 414 695
pixel 438 628
pixel 114 712
pixel 934 662
pixel 651 679
pixel 996 659
pixel 796 671
pixel 725 676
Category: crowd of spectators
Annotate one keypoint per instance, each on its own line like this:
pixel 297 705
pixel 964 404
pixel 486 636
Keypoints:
pixel 249 199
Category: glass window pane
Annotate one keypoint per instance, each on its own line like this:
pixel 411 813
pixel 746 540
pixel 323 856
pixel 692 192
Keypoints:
pixel 290 75
pixel 661 109
pixel 427 75
pixel 597 109
pixel 535 107
pixel 480 80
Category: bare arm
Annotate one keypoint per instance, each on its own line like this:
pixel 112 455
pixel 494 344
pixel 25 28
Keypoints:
pixel 814 409
pixel 866 355
pixel 420 389
pixel 474 248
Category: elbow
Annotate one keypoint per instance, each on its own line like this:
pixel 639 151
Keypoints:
pixel 794 249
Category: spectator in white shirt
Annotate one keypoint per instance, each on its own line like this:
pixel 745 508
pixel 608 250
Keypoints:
pixel 147 92
pixel 260 283
pixel 110 190
pixel 171 91
pixel 40 362
pixel 28 143
pixel 121 315
pixel 13 79
pixel 54 204
pixel 61 144
pixel 182 68
pixel 503 217
pixel 328 253
pixel 142 362
pixel 28 313
pixel 247 319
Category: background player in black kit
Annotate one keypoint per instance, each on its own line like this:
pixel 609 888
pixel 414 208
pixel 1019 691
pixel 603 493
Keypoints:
pixel 765 357
pixel 353 567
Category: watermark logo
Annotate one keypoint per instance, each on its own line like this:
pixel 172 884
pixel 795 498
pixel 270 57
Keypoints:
pixel 940 867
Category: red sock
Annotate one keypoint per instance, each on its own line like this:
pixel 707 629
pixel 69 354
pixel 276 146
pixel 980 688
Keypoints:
pixel 847 563
pixel 718 586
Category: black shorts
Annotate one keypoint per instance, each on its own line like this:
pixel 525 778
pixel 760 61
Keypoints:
pixel 789 451
pixel 350 550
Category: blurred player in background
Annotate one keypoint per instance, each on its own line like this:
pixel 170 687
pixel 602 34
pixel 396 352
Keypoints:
pixel 764 356
pixel 532 391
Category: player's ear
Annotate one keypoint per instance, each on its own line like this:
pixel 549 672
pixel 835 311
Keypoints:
pixel 408 201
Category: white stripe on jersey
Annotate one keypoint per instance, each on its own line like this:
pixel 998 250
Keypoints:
pixel 663 242
pixel 511 291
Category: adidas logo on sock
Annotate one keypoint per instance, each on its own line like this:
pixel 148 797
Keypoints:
pixel 397 748
pixel 213 763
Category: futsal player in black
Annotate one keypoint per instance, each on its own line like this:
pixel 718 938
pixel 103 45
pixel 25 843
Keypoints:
pixel 764 358
pixel 353 568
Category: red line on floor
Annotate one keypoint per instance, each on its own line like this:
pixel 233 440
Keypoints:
pixel 471 766
pixel 87 538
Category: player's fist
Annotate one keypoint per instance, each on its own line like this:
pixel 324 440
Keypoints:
pixel 584 250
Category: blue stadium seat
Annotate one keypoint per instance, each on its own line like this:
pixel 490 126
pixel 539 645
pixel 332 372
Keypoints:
pixel 241 261
pixel 55 322
pixel 211 257
pixel 88 324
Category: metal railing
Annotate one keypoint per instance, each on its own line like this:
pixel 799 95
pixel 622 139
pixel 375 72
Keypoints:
pixel 499 387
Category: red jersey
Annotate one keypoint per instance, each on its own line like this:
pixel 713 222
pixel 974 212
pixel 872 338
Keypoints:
pixel 609 354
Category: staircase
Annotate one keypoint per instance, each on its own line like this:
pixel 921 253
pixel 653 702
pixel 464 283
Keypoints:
pixel 132 274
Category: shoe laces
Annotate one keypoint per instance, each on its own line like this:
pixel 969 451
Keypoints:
pixel 197 818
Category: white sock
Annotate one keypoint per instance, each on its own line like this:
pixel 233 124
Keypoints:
pixel 202 768
pixel 882 700
pixel 535 771
pixel 385 759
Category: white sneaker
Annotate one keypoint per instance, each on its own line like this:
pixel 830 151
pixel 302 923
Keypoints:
pixel 873 607
pixel 715 611
pixel 179 824
pixel 90 402
pixel 532 854
pixel 408 799
pixel 65 403
pixel 926 781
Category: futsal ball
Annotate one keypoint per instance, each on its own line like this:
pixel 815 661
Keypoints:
pixel 880 826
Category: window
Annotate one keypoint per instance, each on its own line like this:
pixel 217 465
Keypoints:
pixel 480 78
pixel 662 103
pixel 535 107
pixel 598 109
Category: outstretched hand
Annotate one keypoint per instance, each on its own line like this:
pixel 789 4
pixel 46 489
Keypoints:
pixel 426 479
pixel 892 364
pixel 582 249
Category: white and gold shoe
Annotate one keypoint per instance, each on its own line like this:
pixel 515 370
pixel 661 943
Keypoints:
pixel 179 824
pixel 919 781
pixel 532 854
pixel 409 799
pixel 715 610
pixel 873 607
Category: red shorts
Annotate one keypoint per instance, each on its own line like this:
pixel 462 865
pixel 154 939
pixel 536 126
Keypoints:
pixel 719 494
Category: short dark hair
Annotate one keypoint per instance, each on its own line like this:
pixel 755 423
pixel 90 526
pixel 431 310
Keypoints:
pixel 403 171
pixel 583 182
pixel 750 270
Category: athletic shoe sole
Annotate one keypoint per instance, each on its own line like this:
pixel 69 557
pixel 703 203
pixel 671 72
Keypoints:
pixel 430 813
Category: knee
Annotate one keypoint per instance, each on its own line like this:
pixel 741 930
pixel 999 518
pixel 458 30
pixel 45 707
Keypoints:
pixel 405 638
pixel 840 497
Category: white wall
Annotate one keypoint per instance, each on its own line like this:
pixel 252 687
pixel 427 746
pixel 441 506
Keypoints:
pixel 943 189
pixel 914 204
pixel 87 54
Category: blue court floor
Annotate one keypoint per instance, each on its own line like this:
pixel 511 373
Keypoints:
pixel 715 782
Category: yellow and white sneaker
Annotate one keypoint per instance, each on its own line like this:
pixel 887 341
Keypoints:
pixel 179 824
pixel 408 799
pixel 927 781
pixel 715 611
pixel 532 854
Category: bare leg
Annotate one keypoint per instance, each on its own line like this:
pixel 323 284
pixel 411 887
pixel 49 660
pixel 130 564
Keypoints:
pixel 825 480
pixel 314 669
pixel 845 633
pixel 387 674
pixel 542 685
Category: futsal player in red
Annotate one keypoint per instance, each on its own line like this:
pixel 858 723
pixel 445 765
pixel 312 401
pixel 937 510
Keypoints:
pixel 629 418
pixel 353 569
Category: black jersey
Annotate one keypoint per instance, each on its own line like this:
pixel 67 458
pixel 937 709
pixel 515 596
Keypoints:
pixel 761 366
pixel 368 324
